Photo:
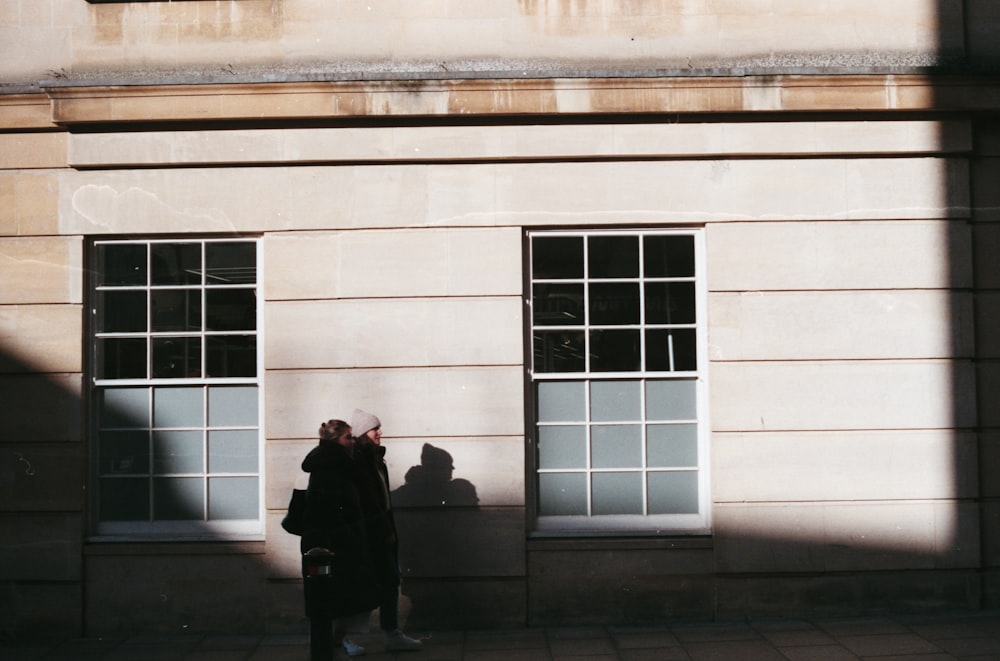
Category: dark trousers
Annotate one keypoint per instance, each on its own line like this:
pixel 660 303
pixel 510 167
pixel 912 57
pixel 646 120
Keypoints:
pixel 389 591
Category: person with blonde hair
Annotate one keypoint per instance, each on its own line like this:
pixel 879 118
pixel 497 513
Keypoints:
pixel 334 532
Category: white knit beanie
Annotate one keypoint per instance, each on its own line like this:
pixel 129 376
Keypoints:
pixel 363 422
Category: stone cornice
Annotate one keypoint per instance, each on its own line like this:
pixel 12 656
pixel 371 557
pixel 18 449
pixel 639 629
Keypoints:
pixel 80 105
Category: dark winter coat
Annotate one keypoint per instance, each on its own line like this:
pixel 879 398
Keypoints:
pixel 334 521
pixel 373 486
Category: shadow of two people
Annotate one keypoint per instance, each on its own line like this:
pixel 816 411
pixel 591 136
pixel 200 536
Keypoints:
pixel 430 484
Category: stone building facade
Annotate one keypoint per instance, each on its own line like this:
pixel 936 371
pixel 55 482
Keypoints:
pixel 670 309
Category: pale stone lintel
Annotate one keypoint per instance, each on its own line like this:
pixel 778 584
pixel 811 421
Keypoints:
pixel 317 100
pixel 26 111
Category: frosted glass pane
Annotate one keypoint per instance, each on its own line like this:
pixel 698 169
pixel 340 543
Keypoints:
pixel 232 406
pixel 616 446
pixel 562 494
pixel 671 400
pixel 232 498
pixel 232 451
pixel 670 446
pixel 617 493
pixel 615 400
pixel 178 499
pixel 124 499
pixel 178 407
pixel 561 402
pixel 124 451
pixel 124 407
pixel 177 452
pixel 562 447
pixel 673 493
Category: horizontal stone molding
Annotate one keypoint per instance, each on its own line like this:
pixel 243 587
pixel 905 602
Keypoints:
pixel 88 104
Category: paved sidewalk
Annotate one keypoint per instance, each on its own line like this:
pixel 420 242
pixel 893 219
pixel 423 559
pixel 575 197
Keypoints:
pixel 967 636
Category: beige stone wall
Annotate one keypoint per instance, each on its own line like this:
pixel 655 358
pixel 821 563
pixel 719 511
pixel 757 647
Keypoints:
pixel 44 39
pixel 843 298
pixel 41 363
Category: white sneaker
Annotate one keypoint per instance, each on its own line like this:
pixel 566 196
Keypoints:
pixel 352 648
pixel 397 641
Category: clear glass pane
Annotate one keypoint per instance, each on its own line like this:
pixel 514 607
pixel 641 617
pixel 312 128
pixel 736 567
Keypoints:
pixel 230 309
pixel 673 492
pixel 562 401
pixel 124 452
pixel 556 257
pixel 615 401
pixel 121 358
pixel 178 452
pixel 121 264
pixel 671 446
pixel 671 350
pixel 121 311
pixel 668 256
pixel 230 263
pixel 670 303
pixel 175 310
pixel 176 357
pixel 671 400
pixel 232 451
pixel 615 351
pixel 613 256
pixel 559 352
pixel 232 498
pixel 123 407
pixel 178 407
pixel 562 447
pixel 124 499
pixel 179 499
pixel 557 305
pixel 562 494
pixel 614 303
pixel 176 263
pixel 617 493
pixel 232 406
pixel 616 446
pixel 231 355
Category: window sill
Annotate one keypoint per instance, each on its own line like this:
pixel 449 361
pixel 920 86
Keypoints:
pixel 110 546
pixel 632 543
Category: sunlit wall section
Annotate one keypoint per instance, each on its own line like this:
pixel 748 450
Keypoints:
pixel 843 394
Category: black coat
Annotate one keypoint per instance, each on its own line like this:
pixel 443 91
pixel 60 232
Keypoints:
pixel 373 486
pixel 334 520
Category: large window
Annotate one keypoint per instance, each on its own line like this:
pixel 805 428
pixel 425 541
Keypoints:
pixel 617 327
pixel 176 414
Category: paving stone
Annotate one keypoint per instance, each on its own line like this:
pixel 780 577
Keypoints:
pixel 888 644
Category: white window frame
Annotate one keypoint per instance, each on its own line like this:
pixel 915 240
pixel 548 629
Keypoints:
pixel 618 524
pixel 193 530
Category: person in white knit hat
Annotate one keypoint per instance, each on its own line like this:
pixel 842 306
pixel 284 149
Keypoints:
pixel 373 485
